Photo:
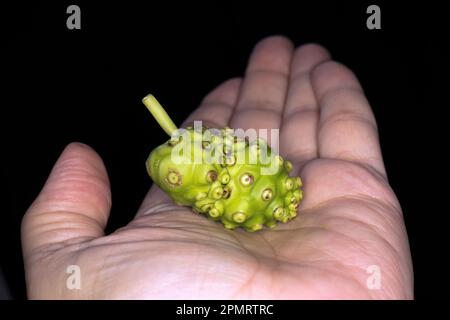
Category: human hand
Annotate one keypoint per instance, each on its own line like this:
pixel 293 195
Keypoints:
pixel 348 220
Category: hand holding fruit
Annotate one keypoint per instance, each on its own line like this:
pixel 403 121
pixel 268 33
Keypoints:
pixel 349 218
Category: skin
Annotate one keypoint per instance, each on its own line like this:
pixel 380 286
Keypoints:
pixel 350 218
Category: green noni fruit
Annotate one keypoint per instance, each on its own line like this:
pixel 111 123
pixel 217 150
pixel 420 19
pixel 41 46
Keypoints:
pixel 223 176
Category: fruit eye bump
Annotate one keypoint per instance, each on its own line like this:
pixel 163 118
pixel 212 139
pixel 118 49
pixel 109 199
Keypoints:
pixel 223 175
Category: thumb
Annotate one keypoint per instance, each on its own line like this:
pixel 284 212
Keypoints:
pixel 74 203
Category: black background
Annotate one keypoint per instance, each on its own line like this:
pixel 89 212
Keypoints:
pixel 86 85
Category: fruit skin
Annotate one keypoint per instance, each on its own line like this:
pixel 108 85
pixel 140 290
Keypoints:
pixel 213 181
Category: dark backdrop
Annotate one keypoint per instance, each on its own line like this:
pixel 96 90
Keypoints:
pixel 86 85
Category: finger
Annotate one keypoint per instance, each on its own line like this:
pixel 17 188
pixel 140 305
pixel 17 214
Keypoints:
pixel 74 203
pixel 217 107
pixel 263 92
pixel 347 128
pixel 299 130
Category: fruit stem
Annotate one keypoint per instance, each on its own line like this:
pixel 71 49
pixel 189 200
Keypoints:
pixel 159 114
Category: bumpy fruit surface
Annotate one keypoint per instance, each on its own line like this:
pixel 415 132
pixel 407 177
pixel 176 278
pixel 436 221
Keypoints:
pixel 226 178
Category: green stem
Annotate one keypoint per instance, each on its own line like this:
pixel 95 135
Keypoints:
pixel 159 114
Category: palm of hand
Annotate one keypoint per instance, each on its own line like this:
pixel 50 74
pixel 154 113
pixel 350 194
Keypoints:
pixel 349 219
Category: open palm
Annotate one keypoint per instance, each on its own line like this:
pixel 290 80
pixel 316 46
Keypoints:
pixel 349 240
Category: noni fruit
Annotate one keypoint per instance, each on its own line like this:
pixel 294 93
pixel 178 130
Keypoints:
pixel 222 175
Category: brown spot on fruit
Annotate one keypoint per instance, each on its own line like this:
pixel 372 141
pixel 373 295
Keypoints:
pixel 267 194
pixel 174 178
pixel 211 176
pixel 246 179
